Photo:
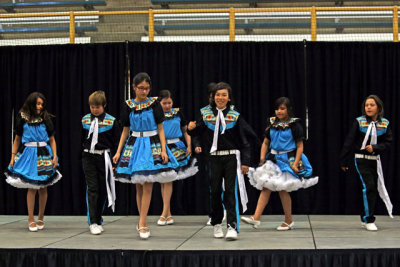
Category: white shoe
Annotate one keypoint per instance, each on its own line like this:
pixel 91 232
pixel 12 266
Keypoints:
pixel 286 227
pixel 250 220
pixel 33 228
pixel 40 227
pixel 231 234
pixel 162 222
pixel 170 220
pixel 209 222
pixel 94 229
pixel 369 226
pixel 101 228
pixel 218 233
pixel 143 235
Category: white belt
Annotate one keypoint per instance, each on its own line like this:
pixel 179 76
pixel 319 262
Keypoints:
pixel 94 151
pixel 144 134
pixel 276 152
pixel 35 144
pixel 172 141
pixel 362 156
pixel 223 152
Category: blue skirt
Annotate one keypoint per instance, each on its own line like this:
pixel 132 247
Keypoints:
pixel 33 168
pixel 141 162
pixel 187 165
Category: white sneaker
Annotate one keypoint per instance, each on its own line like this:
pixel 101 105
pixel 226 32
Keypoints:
pixel 208 222
pixel 218 233
pixel 250 220
pixel 94 229
pixel 101 228
pixel 231 234
pixel 369 226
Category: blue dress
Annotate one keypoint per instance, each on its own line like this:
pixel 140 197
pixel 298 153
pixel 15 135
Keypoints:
pixel 140 160
pixel 277 174
pixel 33 166
pixel 173 124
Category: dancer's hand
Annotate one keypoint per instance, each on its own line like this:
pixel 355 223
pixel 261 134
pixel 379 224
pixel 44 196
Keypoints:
pixel 197 149
pixel 116 158
pixel 192 125
pixel 188 151
pixel 12 161
pixel 294 168
pixel 369 148
pixel 164 157
pixel 245 169
pixel 262 161
pixel 54 161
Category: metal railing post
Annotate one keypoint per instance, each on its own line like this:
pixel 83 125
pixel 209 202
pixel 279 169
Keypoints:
pixel 231 24
pixel 71 27
pixel 151 25
pixel 395 24
pixel 313 24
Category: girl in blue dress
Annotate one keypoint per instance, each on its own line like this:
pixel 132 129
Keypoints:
pixel 33 163
pixel 142 155
pixel 285 168
pixel 175 127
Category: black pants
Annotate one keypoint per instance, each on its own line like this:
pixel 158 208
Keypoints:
pixel 223 168
pixel 367 170
pixel 96 196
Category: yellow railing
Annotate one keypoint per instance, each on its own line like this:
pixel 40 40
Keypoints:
pixel 231 11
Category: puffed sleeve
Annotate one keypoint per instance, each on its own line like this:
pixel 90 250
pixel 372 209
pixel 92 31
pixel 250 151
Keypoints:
pixel 49 127
pixel 267 130
pixel 125 116
pixel 158 112
pixel 19 125
pixel 183 120
pixel 297 131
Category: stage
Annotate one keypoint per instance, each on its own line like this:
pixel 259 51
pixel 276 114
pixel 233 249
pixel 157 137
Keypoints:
pixel 317 240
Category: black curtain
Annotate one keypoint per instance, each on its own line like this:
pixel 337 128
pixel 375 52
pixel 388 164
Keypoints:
pixel 330 78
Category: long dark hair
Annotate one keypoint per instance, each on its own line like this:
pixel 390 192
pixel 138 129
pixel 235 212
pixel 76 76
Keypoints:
pixel 141 77
pixel 164 94
pixel 378 102
pixel 283 101
pixel 221 86
pixel 29 107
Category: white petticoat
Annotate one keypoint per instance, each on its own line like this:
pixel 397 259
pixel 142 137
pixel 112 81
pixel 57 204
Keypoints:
pixel 18 183
pixel 270 176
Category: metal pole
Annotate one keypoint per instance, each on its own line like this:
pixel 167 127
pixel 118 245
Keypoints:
pixel 395 24
pixel 231 24
pixel 71 27
pixel 313 24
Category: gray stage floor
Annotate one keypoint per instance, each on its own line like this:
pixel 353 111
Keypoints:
pixel 190 233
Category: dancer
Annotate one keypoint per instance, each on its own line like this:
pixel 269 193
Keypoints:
pixel 33 163
pixel 285 168
pixel 222 128
pixel 175 128
pixel 100 135
pixel 369 136
pixel 142 155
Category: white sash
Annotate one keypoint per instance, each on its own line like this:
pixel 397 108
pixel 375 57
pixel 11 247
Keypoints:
pixel 381 182
pixel 242 185
pixel 110 185
pixel 94 128
pixel 216 129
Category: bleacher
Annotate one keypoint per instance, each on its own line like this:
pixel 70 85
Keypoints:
pixel 87 4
